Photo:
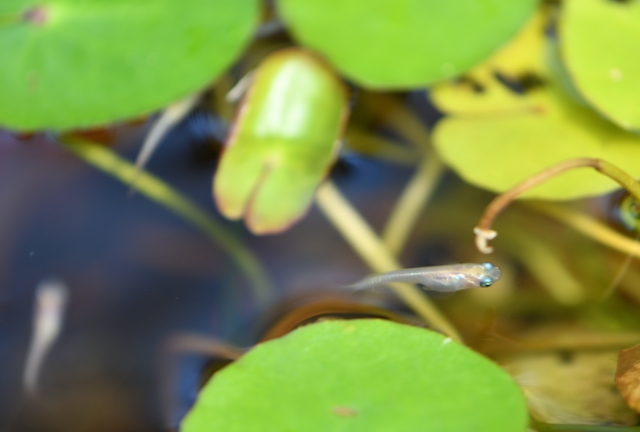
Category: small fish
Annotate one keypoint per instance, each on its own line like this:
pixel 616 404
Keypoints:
pixel 446 278
pixel 49 308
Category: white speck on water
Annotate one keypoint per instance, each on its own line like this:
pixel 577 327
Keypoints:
pixel 31 254
pixel 616 74
pixel 446 341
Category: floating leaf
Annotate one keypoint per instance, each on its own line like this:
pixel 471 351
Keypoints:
pixel 282 143
pixel 511 117
pixel 404 43
pixel 69 63
pixel 600 49
pixel 360 375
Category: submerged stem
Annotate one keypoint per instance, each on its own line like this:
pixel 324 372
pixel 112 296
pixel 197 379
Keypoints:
pixel 411 203
pixel 483 230
pixel 545 265
pixel 597 231
pixel 422 185
pixel 588 226
pixel 160 192
pixel 368 245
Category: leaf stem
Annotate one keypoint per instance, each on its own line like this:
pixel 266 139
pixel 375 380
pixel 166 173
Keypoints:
pixel 547 267
pixel 483 230
pixel 418 192
pixel 588 226
pixel 157 190
pixel 373 251
pixel 596 231
pixel 414 198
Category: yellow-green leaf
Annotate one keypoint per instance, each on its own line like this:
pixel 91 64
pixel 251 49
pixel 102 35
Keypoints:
pixel 512 117
pixel 284 139
pixel 600 48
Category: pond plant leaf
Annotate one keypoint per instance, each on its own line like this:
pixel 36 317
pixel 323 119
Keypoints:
pixel 628 376
pixel 599 47
pixel 69 64
pixel 283 141
pixel 360 375
pixel 571 386
pixel 399 44
pixel 513 116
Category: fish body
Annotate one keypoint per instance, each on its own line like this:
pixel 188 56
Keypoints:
pixel 48 315
pixel 446 278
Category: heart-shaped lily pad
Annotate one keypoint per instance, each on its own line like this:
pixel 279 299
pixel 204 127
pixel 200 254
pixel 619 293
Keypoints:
pixel 69 63
pixel 282 143
pixel 404 43
pixel 360 375
pixel 600 48
pixel 511 117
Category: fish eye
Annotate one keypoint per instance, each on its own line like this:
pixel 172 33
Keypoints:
pixel 486 282
pixel 487 265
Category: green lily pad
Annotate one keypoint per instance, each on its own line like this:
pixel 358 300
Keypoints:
pixel 600 49
pixel 282 144
pixel 360 375
pixel 399 44
pixel 69 63
pixel 511 117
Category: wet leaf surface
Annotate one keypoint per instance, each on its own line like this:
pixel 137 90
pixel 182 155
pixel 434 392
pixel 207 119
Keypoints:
pixel 359 375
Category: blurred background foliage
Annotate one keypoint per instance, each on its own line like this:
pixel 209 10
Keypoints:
pixel 509 88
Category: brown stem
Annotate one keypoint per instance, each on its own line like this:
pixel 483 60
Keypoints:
pixel 483 230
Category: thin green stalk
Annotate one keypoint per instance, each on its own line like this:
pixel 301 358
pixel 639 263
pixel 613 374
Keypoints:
pixel 160 192
pixel 411 203
pixel 372 250
pixel 390 110
pixel 597 231
pixel 371 145
pixel 588 226
pixel 483 230
pixel 419 190
pixel 544 264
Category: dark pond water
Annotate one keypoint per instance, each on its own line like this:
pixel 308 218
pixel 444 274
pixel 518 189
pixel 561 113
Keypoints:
pixel 137 274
